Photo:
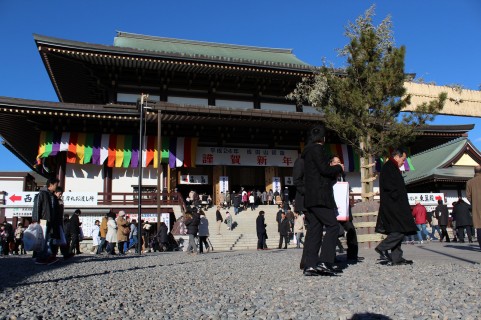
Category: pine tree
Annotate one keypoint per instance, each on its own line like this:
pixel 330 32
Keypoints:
pixel 362 102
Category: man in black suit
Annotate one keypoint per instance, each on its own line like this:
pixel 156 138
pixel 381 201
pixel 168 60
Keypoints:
pixel 261 230
pixel 284 228
pixel 74 229
pixel 320 204
pixel 394 217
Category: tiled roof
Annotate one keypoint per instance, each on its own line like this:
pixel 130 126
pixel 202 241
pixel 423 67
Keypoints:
pixel 211 51
pixel 434 162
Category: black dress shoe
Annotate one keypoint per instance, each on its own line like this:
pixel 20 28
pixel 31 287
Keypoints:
pixel 383 255
pixel 326 268
pixel 310 272
pixel 355 260
pixel 402 262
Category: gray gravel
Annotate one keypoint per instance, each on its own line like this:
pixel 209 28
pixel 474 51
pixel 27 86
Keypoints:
pixel 238 285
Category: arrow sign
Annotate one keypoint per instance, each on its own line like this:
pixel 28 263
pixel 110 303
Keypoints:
pixel 14 198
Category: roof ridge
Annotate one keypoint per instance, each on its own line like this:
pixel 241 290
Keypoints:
pixel 202 43
pixel 441 146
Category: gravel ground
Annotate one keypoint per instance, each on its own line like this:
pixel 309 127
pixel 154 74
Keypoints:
pixel 242 285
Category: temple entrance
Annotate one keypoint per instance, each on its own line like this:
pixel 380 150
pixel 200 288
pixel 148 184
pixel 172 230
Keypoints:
pixel 250 178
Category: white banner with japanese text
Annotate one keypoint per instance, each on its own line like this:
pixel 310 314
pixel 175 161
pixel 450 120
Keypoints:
pixel 224 183
pixel 426 199
pixel 194 179
pixel 245 157
pixel 70 199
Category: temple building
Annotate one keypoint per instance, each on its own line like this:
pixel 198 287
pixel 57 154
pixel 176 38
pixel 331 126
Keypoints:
pixel 216 119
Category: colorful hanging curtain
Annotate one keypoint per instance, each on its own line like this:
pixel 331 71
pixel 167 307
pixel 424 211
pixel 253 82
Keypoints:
pixel 123 150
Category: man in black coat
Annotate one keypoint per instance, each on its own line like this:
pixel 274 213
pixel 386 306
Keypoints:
pixel 74 229
pixel 45 207
pixel 192 225
pixel 442 214
pixel 284 227
pixel 394 217
pixel 261 230
pixel 462 215
pixel 320 203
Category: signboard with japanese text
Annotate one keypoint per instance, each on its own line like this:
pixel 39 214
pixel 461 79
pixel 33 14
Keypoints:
pixel 70 199
pixel 426 199
pixel 147 217
pixel 20 212
pixel 288 181
pixel 194 179
pixel 224 183
pixel 245 157
pixel 165 218
pixel 341 196
pixel 276 184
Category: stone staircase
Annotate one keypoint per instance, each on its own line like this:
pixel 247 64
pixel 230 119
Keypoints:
pixel 243 236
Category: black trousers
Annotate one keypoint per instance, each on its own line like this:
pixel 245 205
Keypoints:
pixel 285 241
pixel 74 243
pixel 202 243
pixel 261 239
pixel 460 232
pixel 393 242
pixel 478 232
pixel 351 239
pixel 318 218
pixel 444 233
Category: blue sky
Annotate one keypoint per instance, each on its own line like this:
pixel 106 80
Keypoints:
pixel 442 38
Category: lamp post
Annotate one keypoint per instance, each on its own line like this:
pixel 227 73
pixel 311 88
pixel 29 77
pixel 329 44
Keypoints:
pixel 143 99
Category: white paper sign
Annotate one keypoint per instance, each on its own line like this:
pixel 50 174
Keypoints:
pixel 276 184
pixel 341 195
pixel 224 183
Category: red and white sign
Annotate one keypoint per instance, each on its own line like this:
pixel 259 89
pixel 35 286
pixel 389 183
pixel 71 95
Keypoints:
pixel 70 199
pixel 245 157
pixel 426 199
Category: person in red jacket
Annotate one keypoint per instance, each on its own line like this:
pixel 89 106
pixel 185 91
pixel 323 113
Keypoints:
pixel 420 216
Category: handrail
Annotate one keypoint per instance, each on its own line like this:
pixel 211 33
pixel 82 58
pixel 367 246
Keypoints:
pixel 148 198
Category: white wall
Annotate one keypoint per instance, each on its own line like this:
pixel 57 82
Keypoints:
pixel 124 178
pixel 83 178
pixel 11 185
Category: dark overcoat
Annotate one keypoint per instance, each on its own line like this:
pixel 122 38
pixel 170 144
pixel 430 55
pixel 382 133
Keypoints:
pixel 260 224
pixel 318 176
pixel 298 177
pixel 284 227
pixel 462 215
pixel 394 210
pixel 442 214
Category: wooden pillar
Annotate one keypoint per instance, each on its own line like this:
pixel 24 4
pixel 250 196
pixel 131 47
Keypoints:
pixel 216 173
pixel 108 182
pixel 60 170
pixel 270 172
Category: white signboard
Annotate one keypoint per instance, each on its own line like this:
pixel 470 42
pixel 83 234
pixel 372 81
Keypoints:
pixel 288 181
pixel 341 195
pixel 276 184
pixel 165 218
pixel 20 212
pixel 194 179
pixel 224 183
pixel 147 217
pixel 426 199
pixel 245 157
pixel 70 199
